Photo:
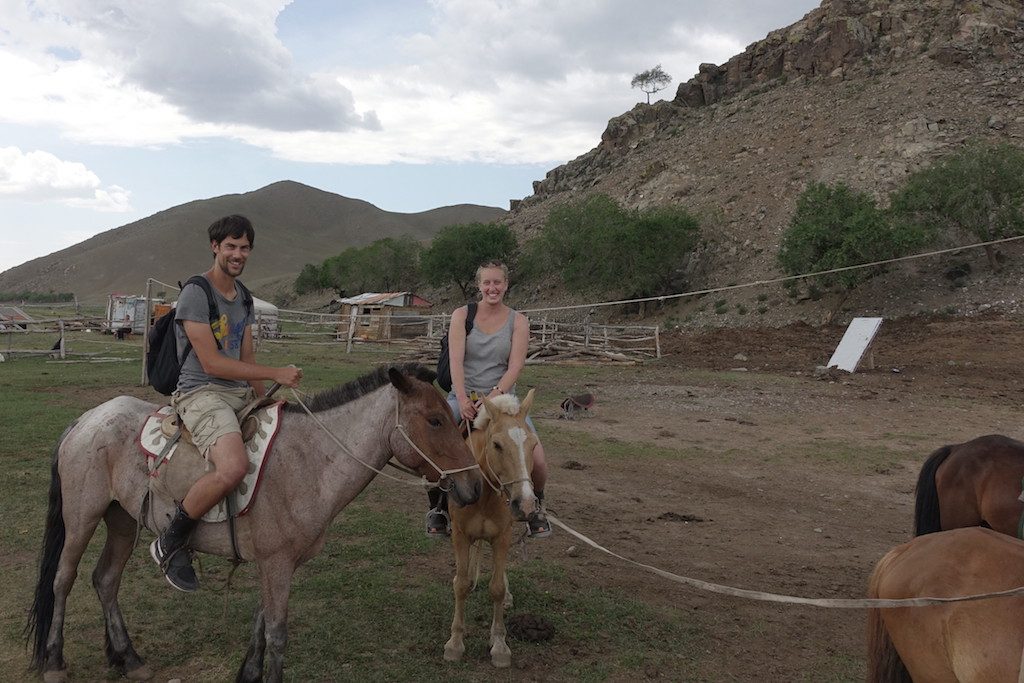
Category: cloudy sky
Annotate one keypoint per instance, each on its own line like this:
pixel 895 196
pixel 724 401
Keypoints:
pixel 112 110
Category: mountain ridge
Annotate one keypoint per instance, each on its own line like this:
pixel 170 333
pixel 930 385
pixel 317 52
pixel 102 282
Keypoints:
pixel 295 224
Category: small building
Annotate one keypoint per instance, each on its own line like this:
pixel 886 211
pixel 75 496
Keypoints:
pixel 266 325
pixel 13 317
pixel 386 315
pixel 126 313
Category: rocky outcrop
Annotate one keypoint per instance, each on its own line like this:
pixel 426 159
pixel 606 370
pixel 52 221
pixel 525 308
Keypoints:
pixel 860 35
pixel 840 41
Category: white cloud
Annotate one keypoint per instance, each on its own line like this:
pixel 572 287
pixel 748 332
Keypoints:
pixel 498 81
pixel 40 176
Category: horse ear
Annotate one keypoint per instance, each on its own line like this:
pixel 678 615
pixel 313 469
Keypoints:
pixel 399 380
pixel 524 407
pixel 489 407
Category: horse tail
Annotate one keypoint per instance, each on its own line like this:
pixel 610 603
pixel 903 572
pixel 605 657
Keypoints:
pixel 926 503
pixel 40 617
pixel 884 662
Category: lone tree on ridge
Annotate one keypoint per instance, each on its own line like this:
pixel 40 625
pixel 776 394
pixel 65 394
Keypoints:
pixel 651 81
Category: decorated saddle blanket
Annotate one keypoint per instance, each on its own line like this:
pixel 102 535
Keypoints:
pixel 174 473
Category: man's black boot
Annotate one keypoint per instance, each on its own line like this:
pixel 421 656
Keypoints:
pixel 171 553
pixel 538 524
pixel 438 521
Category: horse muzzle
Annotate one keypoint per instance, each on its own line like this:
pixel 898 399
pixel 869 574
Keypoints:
pixel 523 506
pixel 466 487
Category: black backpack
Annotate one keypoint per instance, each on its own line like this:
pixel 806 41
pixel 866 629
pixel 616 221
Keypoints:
pixel 162 365
pixel 444 369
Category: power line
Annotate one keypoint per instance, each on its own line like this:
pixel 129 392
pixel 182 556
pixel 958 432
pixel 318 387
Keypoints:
pixel 758 283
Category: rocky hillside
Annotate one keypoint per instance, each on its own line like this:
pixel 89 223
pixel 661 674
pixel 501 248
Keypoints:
pixel 862 91
pixel 295 225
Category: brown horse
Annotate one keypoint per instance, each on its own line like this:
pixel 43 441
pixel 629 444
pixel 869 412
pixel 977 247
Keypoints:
pixel 977 483
pixel 99 473
pixel 503 444
pixel 963 641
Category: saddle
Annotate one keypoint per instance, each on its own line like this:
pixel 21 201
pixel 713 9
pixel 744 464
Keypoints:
pixel 574 406
pixel 249 423
pixel 175 463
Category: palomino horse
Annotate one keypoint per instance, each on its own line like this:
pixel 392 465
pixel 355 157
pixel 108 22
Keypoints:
pixel 503 444
pixel 977 483
pixel 962 641
pixel 99 473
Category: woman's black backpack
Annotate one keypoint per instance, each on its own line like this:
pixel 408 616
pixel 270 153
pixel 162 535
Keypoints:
pixel 444 369
pixel 162 365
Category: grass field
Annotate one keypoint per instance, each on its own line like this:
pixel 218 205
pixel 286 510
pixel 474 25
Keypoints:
pixel 374 605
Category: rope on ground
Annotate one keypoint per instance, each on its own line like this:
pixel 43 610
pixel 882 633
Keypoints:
pixel 833 603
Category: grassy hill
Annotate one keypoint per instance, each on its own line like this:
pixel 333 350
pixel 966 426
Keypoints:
pixel 295 225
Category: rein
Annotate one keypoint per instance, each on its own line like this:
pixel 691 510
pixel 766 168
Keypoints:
pixel 400 428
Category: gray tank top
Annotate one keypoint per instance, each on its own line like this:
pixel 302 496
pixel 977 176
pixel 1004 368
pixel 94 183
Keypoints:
pixel 487 355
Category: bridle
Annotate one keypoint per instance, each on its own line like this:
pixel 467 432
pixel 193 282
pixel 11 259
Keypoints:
pixel 442 474
pixel 400 428
pixel 502 487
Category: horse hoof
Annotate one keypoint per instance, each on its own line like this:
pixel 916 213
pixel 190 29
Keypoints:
pixel 60 676
pixel 501 660
pixel 139 673
pixel 453 654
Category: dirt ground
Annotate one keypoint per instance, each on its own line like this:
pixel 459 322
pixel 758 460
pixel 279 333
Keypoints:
pixel 792 483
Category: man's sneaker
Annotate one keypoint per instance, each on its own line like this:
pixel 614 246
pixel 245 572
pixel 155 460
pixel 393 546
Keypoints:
pixel 177 567
pixel 538 525
pixel 438 523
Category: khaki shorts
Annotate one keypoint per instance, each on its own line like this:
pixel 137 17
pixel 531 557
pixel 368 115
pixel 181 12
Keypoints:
pixel 211 411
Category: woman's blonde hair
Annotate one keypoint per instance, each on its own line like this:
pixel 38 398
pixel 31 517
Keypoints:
pixel 492 264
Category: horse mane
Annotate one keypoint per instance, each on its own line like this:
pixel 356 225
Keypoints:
pixel 506 403
pixel 361 386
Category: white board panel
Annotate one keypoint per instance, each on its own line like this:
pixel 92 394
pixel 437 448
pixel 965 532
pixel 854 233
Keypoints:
pixel 854 343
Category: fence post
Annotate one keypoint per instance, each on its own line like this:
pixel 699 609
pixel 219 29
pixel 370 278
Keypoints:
pixel 145 335
pixel 60 324
pixel 657 342
pixel 586 333
pixel 351 328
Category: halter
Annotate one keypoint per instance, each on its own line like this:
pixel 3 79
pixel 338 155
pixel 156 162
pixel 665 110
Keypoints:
pixel 503 486
pixel 443 474
pixel 400 428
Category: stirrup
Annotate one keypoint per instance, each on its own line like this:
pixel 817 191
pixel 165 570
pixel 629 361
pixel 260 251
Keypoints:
pixel 439 523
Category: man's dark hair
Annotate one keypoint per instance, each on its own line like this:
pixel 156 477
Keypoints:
pixel 232 226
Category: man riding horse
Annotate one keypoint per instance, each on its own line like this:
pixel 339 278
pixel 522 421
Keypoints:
pixel 219 377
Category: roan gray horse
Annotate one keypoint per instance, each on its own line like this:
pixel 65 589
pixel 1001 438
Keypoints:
pixel 99 473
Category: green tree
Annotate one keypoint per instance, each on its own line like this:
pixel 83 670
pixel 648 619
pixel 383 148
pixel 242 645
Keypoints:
pixel 651 81
pixel 389 264
pixel 835 227
pixel 979 190
pixel 309 279
pixel 457 250
pixel 596 245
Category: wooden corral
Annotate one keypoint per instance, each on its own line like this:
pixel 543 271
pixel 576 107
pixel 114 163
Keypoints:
pixel 383 316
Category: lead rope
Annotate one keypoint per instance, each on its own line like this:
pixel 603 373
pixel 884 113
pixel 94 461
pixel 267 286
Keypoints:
pixel 835 603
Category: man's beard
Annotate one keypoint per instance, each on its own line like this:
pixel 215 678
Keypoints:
pixel 225 267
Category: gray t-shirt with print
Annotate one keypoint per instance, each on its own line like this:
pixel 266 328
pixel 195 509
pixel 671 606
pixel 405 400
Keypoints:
pixel 229 328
